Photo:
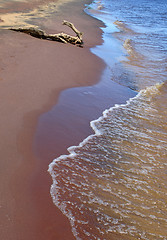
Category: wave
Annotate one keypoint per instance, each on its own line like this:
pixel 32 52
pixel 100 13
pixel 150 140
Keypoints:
pixel 113 184
pixel 129 47
pixel 123 27
pixel 78 177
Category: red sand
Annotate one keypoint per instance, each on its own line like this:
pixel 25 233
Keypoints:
pixel 33 73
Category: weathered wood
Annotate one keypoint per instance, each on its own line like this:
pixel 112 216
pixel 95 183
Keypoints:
pixel 60 37
pixel 78 33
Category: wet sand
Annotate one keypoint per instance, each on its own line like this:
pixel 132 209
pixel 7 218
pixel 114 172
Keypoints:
pixel 33 72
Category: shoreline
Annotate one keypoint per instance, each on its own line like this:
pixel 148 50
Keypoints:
pixel 30 212
pixel 67 124
pixel 26 205
pixel 68 170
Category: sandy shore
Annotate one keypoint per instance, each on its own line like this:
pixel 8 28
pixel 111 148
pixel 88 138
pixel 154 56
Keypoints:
pixel 33 73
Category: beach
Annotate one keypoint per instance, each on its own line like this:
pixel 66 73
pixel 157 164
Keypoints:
pixel 83 130
pixel 33 73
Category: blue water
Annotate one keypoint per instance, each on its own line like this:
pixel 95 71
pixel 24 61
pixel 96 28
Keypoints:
pixel 145 24
pixel 113 184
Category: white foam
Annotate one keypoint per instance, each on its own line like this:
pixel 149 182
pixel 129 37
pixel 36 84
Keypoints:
pixel 73 154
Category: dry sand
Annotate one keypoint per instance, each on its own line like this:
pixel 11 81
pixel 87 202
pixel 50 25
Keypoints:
pixel 33 72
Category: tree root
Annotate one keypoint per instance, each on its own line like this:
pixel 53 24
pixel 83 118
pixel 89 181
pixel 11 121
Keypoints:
pixel 59 37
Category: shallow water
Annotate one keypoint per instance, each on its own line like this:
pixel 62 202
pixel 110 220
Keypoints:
pixel 113 185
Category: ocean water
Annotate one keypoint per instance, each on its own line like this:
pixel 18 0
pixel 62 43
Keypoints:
pixel 113 184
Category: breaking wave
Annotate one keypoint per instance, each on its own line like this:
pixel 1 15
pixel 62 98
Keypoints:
pixel 113 183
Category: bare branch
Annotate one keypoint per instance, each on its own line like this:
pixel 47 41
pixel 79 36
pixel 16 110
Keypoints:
pixel 60 37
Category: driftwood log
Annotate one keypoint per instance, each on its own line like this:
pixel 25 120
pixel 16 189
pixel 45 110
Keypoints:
pixel 60 37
